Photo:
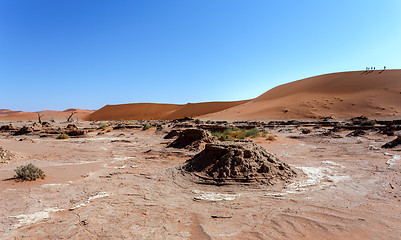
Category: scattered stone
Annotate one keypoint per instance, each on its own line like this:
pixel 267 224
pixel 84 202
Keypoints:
pixel 356 133
pixel 393 143
pixel 120 141
pixel 192 139
pixel 336 129
pixel 214 216
pixel 46 124
pixel 239 161
pixel 305 131
pixel 389 130
pixel 5 155
pixel 36 127
pixel 71 127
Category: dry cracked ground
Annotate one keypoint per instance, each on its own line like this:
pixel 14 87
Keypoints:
pixel 125 184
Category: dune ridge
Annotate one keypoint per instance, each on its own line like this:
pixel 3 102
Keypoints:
pixel 340 95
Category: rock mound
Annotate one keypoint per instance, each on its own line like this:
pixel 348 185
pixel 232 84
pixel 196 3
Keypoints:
pixel 172 133
pixel 24 130
pixel 8 127
pixel 72 130
pixel 192 139
pixel 239 161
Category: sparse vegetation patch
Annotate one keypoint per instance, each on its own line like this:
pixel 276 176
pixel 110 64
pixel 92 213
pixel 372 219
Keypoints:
pixel 236 133
pixel 102 127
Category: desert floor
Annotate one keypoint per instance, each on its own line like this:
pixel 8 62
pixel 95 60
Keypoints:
pixel 125 184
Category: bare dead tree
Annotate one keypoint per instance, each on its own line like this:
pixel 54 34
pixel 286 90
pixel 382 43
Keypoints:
pixel 70 119
pixel 40 118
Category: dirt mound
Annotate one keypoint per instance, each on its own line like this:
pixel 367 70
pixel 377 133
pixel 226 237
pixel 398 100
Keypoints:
pixel 5 156
pixel 240 161
pixel 192 139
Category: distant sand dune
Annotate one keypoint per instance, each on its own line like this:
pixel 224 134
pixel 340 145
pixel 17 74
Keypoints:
pixel 47 115
pixel 339 95
pixel 153 111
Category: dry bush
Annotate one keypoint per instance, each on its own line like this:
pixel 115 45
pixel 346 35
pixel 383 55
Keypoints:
pixel 271 137
pixel 29 173
pixel 63 136
pixel 231 134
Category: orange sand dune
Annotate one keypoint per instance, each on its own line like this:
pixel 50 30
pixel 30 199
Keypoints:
pixel 340 95
pixel 153 111
pixel 134 111
pixel 47 115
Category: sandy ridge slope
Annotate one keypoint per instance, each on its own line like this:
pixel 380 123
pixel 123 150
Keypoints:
pixel 157 111
pixel 341 95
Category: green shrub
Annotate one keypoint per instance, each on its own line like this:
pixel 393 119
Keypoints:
pixel 228 131
pixel 102 126
pixel 368 123
pixel 254 132
pixel 29 173
pixel 63 136
pixel 217 134
pixel 146 127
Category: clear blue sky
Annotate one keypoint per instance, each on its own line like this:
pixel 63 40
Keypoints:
pixel 58 54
